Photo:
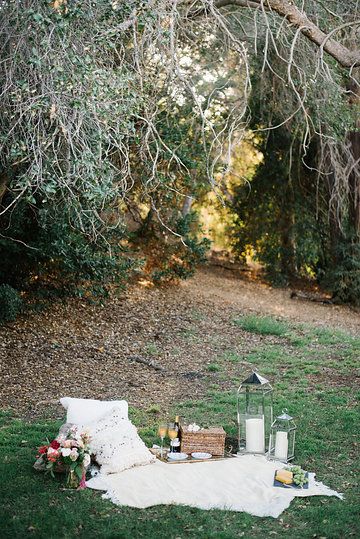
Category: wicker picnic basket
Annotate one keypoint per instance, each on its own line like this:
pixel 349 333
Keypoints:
pixel 210 440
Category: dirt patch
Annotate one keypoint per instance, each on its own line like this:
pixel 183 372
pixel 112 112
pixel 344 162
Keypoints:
pixel 82 350
pixel 256 297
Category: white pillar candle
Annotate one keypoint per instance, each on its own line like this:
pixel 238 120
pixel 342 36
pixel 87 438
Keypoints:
pixel 281 445
pixel 255 435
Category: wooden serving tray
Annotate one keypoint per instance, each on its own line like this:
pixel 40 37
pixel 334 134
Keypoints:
pixel 191 460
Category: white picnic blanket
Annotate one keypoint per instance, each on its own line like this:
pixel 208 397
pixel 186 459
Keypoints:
pixel 239 484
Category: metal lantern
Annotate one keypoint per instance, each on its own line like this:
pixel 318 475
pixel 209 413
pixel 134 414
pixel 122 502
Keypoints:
pixel 254 414
pixel 282 438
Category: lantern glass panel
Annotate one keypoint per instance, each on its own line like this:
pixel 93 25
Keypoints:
pixel 254 400
pixel 282 438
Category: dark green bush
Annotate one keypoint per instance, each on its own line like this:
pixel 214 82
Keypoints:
pixel 10 303
pixel 343 278
pixel 78 265
pixel 47 257
pixel 275 215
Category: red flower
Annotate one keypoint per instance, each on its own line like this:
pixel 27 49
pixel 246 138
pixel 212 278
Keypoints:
pixel 43 449
pixel 55 444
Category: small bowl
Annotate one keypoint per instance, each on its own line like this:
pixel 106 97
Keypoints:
pixel 177 456
pixel 201 456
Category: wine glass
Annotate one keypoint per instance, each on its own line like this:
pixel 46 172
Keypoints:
pixel 172 433
pixel 162 430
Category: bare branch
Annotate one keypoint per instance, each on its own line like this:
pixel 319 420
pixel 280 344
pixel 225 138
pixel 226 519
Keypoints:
pixel 241 3
pixel 344 56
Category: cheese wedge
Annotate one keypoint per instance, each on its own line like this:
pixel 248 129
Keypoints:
pixel 284 476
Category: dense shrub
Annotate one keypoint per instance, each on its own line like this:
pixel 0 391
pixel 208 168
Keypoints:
pixel 275 214
pixel 343 278
pixel 49 257
pixel 10 303
pixel 281 218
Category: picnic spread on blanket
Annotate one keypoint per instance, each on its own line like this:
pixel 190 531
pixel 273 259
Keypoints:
pixel 256 476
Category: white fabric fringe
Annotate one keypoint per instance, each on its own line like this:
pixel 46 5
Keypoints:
pixel 239 484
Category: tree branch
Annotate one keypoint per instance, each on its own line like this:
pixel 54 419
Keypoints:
pixel 240 3
pixel 4 180
pixel 285 8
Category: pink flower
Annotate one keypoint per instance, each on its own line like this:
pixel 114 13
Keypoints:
pixel 85 436
pixel 82 484
pixel 52 454
pixel 67 443
pixel 65 451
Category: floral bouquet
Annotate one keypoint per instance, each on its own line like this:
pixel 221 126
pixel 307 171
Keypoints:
pixel 70 453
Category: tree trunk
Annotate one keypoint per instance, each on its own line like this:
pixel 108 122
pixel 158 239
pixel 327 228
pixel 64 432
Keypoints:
pixel 354 184
pixel 287 228
pixel 354 178
pixel 146 228
pixel 187 205
pixel 334 215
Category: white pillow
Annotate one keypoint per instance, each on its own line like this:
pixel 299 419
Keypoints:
pixel 116 444
pixel 81 412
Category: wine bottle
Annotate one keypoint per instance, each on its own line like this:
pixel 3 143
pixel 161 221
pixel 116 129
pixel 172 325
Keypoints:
pixel 176 447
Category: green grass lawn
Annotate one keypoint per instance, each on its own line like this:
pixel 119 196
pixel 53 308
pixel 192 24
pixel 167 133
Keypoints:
pixel 310 369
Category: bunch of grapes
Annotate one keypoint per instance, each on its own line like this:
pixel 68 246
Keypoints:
pixel 298 475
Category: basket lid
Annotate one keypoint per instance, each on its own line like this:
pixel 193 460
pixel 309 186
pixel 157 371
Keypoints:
pixel 210 430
